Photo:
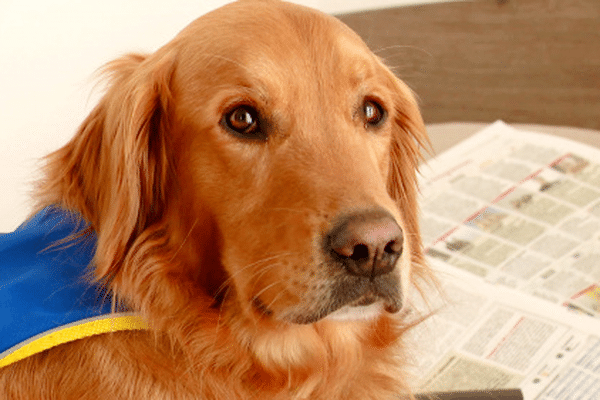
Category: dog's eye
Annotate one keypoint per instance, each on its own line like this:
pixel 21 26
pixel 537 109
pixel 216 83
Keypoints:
pixel 243 121
pixel 373 113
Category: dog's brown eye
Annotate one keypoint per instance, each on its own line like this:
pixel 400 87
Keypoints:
pixel 243 120
pixel 373 113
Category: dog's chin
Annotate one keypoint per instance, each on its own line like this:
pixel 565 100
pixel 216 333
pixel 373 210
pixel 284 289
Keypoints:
pixel 357 313
pixel 366 307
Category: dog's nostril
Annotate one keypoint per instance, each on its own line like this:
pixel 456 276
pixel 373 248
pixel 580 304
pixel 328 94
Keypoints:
pixel 367 244
pixel 393 247
pixel 361 251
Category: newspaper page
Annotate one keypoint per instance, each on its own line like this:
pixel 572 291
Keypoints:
pixel 486 336
pixel 511 223
pixel 519 209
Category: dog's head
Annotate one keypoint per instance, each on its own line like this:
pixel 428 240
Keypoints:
pixel 264 159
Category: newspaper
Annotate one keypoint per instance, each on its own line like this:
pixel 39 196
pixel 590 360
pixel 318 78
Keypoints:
pixel 511 222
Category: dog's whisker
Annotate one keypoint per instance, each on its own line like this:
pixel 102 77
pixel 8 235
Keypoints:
pixel 269 286
pixel 273 300
pixel 220 315
pixel 265 309
pixel 261 272
pixel 184 240
pixel 402 47
pixel 230 278
pixel 251 265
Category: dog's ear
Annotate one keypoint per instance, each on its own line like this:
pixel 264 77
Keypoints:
pixel 115 172
pixel 408 140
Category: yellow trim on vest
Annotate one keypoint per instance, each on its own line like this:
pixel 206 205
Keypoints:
pixel 71 332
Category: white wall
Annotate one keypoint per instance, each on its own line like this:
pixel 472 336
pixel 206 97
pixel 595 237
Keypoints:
pixel 49 50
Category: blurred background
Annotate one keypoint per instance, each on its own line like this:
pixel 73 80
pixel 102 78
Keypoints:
pixel 532 61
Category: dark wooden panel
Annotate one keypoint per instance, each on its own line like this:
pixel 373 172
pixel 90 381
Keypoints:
pixel 530 61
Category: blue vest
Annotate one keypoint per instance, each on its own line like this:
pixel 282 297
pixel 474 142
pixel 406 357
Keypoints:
pixel 46 298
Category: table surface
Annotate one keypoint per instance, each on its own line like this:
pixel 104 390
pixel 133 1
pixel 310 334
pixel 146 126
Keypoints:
pixel 445 135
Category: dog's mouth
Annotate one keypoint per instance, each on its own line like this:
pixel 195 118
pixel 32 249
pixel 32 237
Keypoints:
pixel 348 299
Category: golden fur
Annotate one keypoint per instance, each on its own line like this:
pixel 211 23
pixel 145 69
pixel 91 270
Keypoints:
pixel 214 238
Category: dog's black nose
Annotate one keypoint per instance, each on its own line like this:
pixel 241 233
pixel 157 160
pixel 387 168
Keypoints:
pixel 368 244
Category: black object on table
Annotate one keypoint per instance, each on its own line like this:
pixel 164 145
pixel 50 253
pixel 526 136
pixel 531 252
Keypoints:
pixel 501 394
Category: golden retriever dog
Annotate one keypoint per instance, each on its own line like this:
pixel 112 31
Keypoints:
pixel 252 189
